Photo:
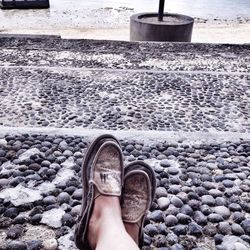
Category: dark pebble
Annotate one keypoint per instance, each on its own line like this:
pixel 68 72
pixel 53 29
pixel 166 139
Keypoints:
pixel 171 220
pixel 215 218
pixel 183 218
pixel 77 195
pixel 180 229
pixel 218 238
pixel 21 219
pixel 14 232
pixel 246 226
pixel 195 229
pixel 16 245
pixel 172 238
pixel 151 230
pixel 237 229
pixel 224 228
pixel 36 219
pixel 159 240
pixel 11 212
pixel 68 220
pixel 34 245
pixel 63 198
pixel 200 218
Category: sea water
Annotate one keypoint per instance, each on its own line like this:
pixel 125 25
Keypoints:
pixel 229 9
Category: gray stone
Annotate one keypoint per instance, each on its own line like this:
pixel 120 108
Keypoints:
pixel 63 198
pixel 171 220
pixel 237 229
pixel 215 218
pixel 224 228
pixel 14 232
pixel 208 200
pixel 195 229
pixel 163 203
pixel 246 226
pixel 177 202
pixel 200 218
pixel 223 211
pixel 16 245
pixel 157 216
pixel 161 192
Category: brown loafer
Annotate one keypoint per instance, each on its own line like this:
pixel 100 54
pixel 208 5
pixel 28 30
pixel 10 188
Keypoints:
pixel 138 194
pixel 102 174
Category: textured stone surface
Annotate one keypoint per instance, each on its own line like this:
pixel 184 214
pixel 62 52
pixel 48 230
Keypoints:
pixel 140 88
pixel 182 214
pixel 202 197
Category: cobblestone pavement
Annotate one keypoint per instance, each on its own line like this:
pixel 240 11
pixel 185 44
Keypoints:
pixel 139 86
pixel 191 90
pixel 202 198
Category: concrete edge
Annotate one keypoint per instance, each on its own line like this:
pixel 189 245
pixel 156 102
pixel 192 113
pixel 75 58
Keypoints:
pixel 146 136
pixel 45 36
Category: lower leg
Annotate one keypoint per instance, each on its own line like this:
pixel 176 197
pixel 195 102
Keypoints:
pixel 133 230
pixel 106 229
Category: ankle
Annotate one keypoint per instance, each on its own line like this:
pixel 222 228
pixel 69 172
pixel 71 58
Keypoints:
pixel 106 209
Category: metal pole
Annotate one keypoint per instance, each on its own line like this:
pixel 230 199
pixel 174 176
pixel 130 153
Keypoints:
pixel 161 10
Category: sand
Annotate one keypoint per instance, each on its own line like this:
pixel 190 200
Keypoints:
pixel 111 24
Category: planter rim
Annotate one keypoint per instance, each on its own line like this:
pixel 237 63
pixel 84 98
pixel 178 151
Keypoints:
pixel 139 18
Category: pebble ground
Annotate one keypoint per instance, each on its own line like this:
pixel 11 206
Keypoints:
pixel 202 197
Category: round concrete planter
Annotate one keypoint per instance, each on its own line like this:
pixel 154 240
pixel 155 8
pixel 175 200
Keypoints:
pixel 173 28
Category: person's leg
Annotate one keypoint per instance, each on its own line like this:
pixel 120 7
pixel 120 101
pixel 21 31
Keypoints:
pixel 133 230
pixel 106 229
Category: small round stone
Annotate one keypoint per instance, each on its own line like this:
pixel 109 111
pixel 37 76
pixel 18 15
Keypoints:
pixel 68 220
pixel 195 229
pixel 157 216
pixel 200 218
pixel 34 244
pixel 161 192
pixel 238 217
pixel 173 170
pixel 171 220
pixel 186 209
pixel 215 218
pixel 246 226
pixel 77 195
pixel 14 232
pixel 177 202
pixel 11 212
pixel 224 228
pixel 16 245
pixel 151 230
pixel 180 229
pixel 49 200
pixel 234 207
pixel 208 200
pixel 223 211
pixel 163 203
pixel 183 218
pixel 172 238
pixel 237 229
pixel 63 198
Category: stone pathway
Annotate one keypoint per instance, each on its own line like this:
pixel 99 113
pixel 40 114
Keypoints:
pixel 186 107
